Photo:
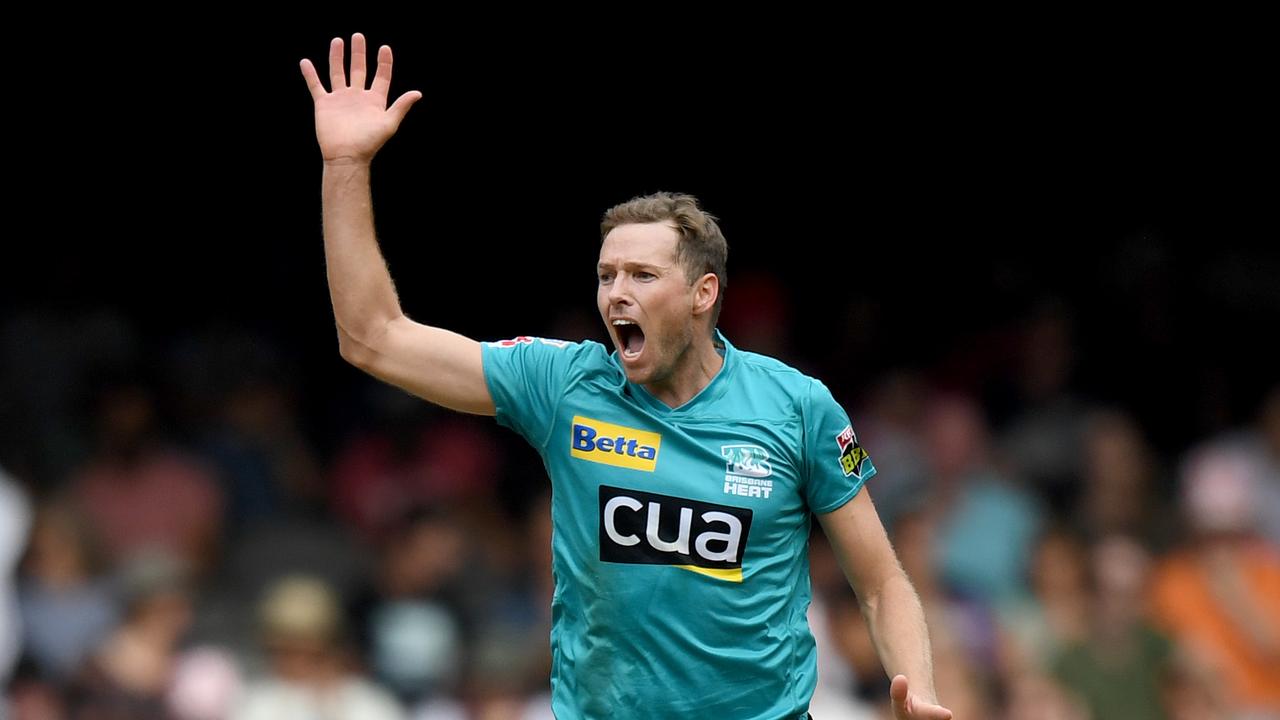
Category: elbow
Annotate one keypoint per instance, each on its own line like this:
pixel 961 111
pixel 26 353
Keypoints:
pixel 353 351
pixel 362 348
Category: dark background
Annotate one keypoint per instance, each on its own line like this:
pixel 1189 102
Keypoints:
pixel 939 194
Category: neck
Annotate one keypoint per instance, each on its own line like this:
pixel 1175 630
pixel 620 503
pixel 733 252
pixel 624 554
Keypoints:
pixel 693 372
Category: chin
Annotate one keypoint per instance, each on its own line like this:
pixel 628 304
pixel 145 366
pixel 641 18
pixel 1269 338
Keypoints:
pixel 639 377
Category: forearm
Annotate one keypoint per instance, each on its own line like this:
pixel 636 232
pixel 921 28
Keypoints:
pixel 896 621
pixel 364 298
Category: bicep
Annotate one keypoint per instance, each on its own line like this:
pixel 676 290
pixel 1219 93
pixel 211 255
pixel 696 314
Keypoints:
pixel 861 545
pixel 437 365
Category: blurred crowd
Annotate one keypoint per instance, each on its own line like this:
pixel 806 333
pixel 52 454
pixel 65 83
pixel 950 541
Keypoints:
pixel 196 529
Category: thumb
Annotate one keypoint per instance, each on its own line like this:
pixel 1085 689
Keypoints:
pixel 898 693
pixel 402 104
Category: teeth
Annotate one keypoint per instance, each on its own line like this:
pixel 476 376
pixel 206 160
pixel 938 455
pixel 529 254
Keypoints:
pixel 623 322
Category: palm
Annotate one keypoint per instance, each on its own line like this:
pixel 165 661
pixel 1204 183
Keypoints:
pixel 909 706
pixel 353 122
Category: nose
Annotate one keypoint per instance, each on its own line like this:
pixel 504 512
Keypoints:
pixel 620 290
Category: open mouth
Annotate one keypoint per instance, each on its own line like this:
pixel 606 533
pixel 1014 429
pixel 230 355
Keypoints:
pixel 630 338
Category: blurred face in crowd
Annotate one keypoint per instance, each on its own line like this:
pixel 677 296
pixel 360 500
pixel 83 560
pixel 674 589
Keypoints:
pixel 955 436
pixel 647 302
pixel 125 416
pixel 164 614
pixel 425 557
pixel 302 660
pixel 57 553
pixel 1120 568
pixel 1117 474
pixel 1059 568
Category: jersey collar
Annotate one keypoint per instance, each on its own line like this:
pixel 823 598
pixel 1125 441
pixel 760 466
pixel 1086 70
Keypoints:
pixel 705 397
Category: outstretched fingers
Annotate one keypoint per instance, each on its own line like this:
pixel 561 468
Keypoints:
pixel 402 105
pixel 358 64
pixel 382 78
pixel 313 79
pixel 337 76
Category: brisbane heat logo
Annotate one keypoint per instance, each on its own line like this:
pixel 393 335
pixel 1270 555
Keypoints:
pixel 617 445
pixel 747 471
pixel 642 528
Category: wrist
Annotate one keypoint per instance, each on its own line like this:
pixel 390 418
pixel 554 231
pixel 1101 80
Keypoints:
pixel 348 161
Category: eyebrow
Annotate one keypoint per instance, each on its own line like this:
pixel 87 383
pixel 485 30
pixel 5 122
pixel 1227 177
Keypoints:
pixel 632 266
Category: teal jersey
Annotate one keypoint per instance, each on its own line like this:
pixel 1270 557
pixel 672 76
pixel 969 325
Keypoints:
pixel 680 536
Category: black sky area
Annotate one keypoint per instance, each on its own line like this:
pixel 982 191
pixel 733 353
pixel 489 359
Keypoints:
pixel 173 175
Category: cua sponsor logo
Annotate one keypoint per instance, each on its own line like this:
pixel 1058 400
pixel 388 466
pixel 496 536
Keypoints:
pixel 642 528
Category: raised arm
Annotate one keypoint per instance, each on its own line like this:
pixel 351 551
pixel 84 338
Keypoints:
pixel 352 124
pixel 889 604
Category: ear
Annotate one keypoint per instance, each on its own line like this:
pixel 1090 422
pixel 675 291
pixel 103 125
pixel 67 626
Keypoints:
pixel 706 290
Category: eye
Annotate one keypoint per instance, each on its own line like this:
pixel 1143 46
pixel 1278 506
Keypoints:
pixel 606 278
pixel 645 276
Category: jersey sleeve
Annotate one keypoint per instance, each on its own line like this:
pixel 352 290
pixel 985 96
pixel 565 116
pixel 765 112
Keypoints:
pixel 836 466
pixel 527 377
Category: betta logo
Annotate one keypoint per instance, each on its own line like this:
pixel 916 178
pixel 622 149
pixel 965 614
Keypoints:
pixel 616 445
pixel 643 528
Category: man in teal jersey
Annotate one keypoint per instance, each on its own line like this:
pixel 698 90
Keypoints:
pixel 683 470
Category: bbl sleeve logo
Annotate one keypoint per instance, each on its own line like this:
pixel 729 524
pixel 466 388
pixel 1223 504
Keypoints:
pixel 642 528
pixel 852 456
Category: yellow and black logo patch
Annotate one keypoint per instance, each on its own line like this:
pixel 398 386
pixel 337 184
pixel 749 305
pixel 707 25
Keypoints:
pixel 852 456
pixel 616 445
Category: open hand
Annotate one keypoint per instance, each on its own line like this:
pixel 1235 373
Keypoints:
pixel 353 122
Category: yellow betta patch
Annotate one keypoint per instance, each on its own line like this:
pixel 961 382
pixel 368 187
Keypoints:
pixel 616 445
